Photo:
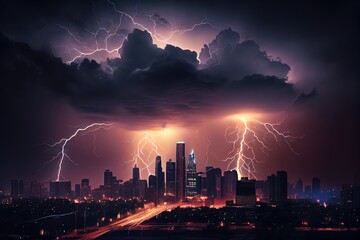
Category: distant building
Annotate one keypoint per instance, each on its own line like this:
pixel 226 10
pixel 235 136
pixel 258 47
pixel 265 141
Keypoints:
pixel 180 171
pixel 136 181
pixel 201 183
pixel 150 195
pixel 160 183
pixel 191 176
pixel 142 188
pixel 170 178
pixel 281 190
pixel 85 189
pixel 230 180
pixel 299 189
pixel 17 188
pixel 262 189
pixel 213 182
pixel 315 188
pixel 60 189
pixel 272 187
pixel 77 190
pixel 245 192
pixel 108 178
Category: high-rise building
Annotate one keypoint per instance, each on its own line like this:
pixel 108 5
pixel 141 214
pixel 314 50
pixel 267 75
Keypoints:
pixel 281 186
pixel 150 195
pixel 180 172
pixel 159 174
pixel 230 180
pixel 108 178
pixel 299 189
pixel 201 183
pixel 77 190
pixel 60 188
pixel 191 175
pixel 245 192
pixel 85 189
pixel 315 187
pixel 213 182
pixel 136 181
pixel 17 188
pixel 272 187
pixel 170 178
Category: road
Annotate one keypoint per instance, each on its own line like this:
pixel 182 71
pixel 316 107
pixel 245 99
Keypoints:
pixel 130 221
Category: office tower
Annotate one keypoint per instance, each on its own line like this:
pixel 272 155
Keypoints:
pixel 142 188
pixel 77 190
pixel 262 189
pixel 17 188
pixel 108 177
pixel 201 183
pixel 136 181
pixel 60 189
pixel 191 175
pixel 159 174
pixel 281 186
pixel 85 189
pixel 180 171
pixel 245 192
pixel 213 182
pixel 299 188
pixel 230 180
pixel 272 187
pixel 170 178
pixel 36 189
pixel 150 195
pixel 315 187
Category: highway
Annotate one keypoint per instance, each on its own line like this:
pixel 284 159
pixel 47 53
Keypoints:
pixel 130 221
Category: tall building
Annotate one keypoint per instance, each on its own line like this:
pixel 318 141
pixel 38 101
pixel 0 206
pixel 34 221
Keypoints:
pixel 85 189
pixel 60 189
pixel 230 180
pixel 281 186
pixel 315 187
pixel 136 181
pixel 170 178
pixel 272 187
pixel 180 172
pixel 17 188
pixel 213 182
pixel 299 189
pixel 245 192
pixel 191 175
pixel 159 174
pixel 108 178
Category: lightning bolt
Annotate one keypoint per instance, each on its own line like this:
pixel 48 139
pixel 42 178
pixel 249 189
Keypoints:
pixel 245 141
pixel 145 151
pixel 83 46
pixel 61 155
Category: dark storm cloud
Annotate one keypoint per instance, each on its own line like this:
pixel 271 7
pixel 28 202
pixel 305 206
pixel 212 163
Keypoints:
pixel 152 82
pixel 237 60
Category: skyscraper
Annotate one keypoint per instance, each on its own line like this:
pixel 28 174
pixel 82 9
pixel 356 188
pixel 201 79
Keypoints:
pixel 272 187
pixel 159 174
pixel 315 187
pixel 230 179
pixel 60 188
pixel 213 182
pixel 245 192
pixel 108 178
pixel 299 188
pixel 170 178
pixel 281 186
pixel 136 182
pixel 180 171
pixel 191 175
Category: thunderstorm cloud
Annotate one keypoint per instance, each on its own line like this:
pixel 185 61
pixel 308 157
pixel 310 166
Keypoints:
pixel 155 83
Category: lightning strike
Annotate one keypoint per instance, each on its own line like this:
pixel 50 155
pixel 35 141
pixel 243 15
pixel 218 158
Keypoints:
pixel 145 151
pixel 247 139
pixel 83 47
pixel 61 155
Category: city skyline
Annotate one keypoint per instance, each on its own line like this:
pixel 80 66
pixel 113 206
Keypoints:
pixel 252 86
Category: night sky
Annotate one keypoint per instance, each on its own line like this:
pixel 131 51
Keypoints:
pixel 169 71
